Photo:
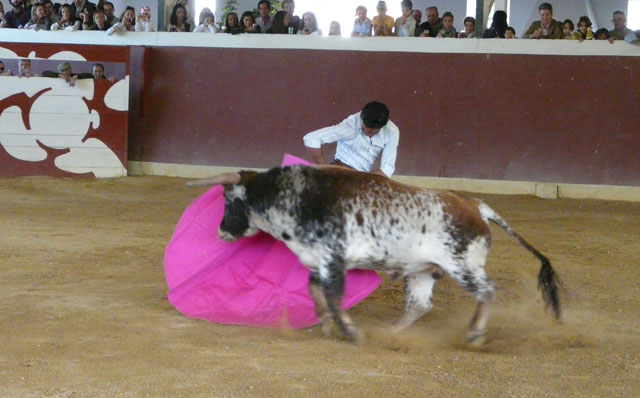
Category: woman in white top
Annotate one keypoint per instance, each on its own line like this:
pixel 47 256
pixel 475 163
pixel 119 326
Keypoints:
pixel 310 25
pixel 38 20
pixel 126 24
pixel 207 22
pixel 67 20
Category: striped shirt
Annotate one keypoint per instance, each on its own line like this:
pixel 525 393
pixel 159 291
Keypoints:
pixel 355 148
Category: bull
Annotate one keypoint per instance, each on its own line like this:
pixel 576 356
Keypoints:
pixel 336 219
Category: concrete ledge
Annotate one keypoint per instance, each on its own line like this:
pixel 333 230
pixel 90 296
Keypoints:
pixel 542 190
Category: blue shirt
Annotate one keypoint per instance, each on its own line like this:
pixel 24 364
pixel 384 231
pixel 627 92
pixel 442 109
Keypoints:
pixel 363 28
pixel 355 148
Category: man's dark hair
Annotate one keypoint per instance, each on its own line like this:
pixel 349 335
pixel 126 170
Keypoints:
pixel 375 114
pixel 469 19
pixel 288 1
pixel 407 4
pixel 512 30
pixel 545 6
pixel 98 64
pixel 434 7
pixel 602 31
pixel 267 2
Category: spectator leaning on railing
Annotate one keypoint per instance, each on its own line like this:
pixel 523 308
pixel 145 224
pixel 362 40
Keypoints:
pixel 362 26
pixel 546 27
pixel 620 29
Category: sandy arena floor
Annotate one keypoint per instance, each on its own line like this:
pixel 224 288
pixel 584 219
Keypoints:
pixel 83 309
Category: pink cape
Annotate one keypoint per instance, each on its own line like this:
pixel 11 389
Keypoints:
pixel 254 281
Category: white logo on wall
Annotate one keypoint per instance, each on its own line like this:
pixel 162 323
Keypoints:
pixel 60 119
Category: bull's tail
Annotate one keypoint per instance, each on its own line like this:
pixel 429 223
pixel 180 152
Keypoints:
pixel 547 279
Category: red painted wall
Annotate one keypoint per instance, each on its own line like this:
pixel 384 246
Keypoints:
pixel 564 119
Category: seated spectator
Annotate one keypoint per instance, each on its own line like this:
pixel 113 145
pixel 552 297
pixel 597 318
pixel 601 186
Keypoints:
pixel 109 11
pixel 66 21
pixel 3 71
pixel 126 24
pixel 264 20
pixel 86 16
pixel 432 26
pixel 38 19
pixel 230 22
pixel 49 11
pixel 247 24
pixel 178 19
pixel 362 26
pixel 18 16
pixel 546 27
pixel 143 21
pixel 64 72
pixel 448 31
pixel 382 23
pixel 405 26
pixel 498 26
pixel 279 24
pixel 24 68
pixel 100 21
pixel 78 8
pixel 620 29
pixel 602 34
pixel 334 29
pixel 469 29
pixel 510 33
pixel 294 21
pixel 97 70
pixel 3 19
pixel 584 31
pixel 207 22
pixel 310 26
pixel 417 16
pixel 567 30
pixel 633 38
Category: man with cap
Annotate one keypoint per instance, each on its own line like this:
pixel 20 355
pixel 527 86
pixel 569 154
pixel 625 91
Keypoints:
pixel 143 21
pixel 361 138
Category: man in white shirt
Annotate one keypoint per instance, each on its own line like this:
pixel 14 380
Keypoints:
pixel 361 138
pixel 264 20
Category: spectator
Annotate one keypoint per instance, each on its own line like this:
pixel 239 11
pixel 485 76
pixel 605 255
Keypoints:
pixel 49 11
pixel 567 30
pixel 3 19
pixel 18 16
pixel 432 26
pixel 100 21
pixel 382 23
pixel 498 26
pixel 405 25
pixel 207 22
pixel 247 24
pixel 334 29
pixel 362 26
pixel 189 7
pixel 584 31
pixel 294 21
pixel 602 34
pixel 510 33
pixel 264 20
pixel 546 27
pixel 417 16
pixel 469 29
pixel 448 31
pixel 279 25
pixel 86 16
pixel 64 72
pixel 178 19
pixel 143 21
pixel 230 22
pixel 620 29
pixel 97 70
pixel 78 8
pixel 66 21
pixel 38 19
pixel 109 11
pixel 361 138
pixel 310 25
pixel 3 71
pixel 633 38
pixel 24 68
pixel 126 24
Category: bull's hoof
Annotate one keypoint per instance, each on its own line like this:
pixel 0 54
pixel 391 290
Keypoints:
pixel 476 338
pixel 354 336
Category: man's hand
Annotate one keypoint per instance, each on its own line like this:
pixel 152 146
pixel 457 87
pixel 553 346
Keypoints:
pixel 317 156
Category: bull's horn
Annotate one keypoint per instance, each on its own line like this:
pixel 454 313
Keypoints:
pixel 225 178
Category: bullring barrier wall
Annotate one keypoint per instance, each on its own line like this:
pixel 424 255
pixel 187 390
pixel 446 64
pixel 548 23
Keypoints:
pixel 541 115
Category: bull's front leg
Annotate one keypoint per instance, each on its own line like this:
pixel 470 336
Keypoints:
pixel 332 278
pixel 322 309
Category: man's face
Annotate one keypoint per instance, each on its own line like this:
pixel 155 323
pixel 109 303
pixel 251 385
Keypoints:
pixel 417 15
pixel 289 7
pixel 469 27
pixel 406 11
pixel 432 16
pixel 362 15
pixel 509 35
pixel 16 3
pixel 48 9
pixel 108 10
pixel 545 17
pixel 98 72
pixel 619 21
pixel 264 10
pixel 24 66
pixel 369 131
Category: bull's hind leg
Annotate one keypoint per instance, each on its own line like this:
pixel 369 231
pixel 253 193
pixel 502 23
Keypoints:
pixel 322 308
pixel 476 282
pixel 418 290
pixel 332 279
